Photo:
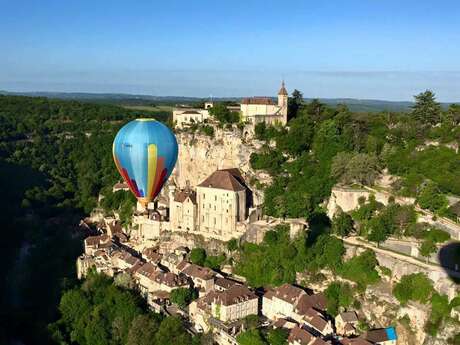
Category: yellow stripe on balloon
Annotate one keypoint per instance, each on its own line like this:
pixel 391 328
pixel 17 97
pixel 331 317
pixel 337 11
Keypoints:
pixel 152 165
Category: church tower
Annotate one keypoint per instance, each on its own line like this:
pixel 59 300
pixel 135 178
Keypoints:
pixel 283 102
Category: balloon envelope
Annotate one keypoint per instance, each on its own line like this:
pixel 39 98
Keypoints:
pixel 145 152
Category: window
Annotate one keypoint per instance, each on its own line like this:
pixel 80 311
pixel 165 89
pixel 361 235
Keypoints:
pixel 214 220
pixel 215 197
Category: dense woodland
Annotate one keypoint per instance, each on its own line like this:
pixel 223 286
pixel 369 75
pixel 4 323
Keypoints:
pixel 55 159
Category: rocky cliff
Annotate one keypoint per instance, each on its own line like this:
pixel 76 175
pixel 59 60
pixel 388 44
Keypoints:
pixel 200 155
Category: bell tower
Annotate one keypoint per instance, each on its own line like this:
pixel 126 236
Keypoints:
pixel 283 101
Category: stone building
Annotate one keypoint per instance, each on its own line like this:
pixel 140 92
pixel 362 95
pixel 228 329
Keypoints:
pixel 222 204
pixel 346 323
pixel 264 109
pixel 202 277
pixel 216 210
pixel 233 304
pixel 183 117
pixel 291 302
pixel 183 210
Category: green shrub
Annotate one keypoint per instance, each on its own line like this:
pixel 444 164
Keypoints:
pixel 415 287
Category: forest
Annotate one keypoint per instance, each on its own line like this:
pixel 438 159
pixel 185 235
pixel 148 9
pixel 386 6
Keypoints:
pixel 325 146
pixel 55 158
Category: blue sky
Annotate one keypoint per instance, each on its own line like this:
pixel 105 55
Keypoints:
pixel 381 49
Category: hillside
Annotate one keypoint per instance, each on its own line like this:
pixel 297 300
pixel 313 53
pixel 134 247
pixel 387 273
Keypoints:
pixel 355 105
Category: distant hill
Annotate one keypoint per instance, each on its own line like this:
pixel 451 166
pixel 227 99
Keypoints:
pixel 357 105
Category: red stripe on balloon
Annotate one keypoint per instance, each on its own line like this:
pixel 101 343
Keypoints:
pixel 158 177
pixel 133 187
pixel 160 183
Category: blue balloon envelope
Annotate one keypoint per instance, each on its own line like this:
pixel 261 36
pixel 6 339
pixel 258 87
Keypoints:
pixel 145 152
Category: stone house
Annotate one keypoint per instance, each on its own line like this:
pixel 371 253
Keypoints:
pixel 291 302
pixel 183 117
pixel 144 278
pixel 100 261
pixel 202 277
pixel 346 323
pixel 226 306
pixel 120 186
pixel 93 243
pixel 123 260
pixel 151 255
pixel 183 210
pixel 171 261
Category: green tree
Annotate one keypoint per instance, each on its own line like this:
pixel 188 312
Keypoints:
pixel 426 109
pixel 361 168
pixel 294 103
pixel 232 245
pixel 142 330
pixel 198 256
pixel 427 248
pixel 361 269
pixel 182 296
pixel 431 198
pixel 251 337
pixel 342 224
pixel 223 114
pixel 277 336
pixel 339 295
pixel 172 331
pixel 416 287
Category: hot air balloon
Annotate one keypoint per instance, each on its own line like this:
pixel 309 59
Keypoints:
pixel 145 152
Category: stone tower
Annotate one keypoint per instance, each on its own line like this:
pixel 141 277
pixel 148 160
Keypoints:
pixel 283 102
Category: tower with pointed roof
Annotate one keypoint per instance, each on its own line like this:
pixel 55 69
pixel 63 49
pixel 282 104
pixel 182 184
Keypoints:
pixel 283 101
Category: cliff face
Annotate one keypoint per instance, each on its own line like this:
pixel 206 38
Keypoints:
pixel 200 155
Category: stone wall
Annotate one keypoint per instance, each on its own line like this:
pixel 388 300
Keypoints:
pixel 441 281
pixel 347 199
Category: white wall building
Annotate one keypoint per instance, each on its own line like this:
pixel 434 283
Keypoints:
pixel 264 109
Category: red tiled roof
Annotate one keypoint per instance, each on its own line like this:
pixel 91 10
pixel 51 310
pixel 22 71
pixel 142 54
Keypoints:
pixel 258 100
pixel 96 240
pixel 300 335
pixel 234 295
pixel 227 179
pixel 317 301
pixel 225 283
pixel 181 265
pixel 199 272
pixel 319 341
pixel 182 195
pixel 289 293
pixel 147 270
pixel 349 316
